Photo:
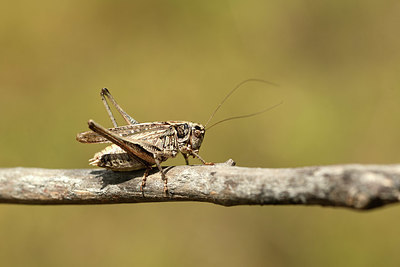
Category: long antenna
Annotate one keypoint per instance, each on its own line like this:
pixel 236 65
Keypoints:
pixel 244 116
pixel 231 92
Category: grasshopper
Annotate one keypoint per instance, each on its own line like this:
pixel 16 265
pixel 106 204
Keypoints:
pixel 137 146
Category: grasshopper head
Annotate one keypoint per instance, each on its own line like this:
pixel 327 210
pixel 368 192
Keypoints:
pixel 190 134
pixel 196 135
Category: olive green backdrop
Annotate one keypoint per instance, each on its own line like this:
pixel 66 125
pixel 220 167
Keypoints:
pixel 337 64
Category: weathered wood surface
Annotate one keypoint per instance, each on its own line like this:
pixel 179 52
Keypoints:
pixel 352 186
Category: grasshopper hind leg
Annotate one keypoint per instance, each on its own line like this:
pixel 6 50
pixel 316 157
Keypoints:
pixel 163 176
pixel 105 93
pixel 146 173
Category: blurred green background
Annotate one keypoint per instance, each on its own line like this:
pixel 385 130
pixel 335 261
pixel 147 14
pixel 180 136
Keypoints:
pixel 337 64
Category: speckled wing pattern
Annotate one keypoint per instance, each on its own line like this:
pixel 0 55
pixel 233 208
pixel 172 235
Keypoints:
pixel 155 137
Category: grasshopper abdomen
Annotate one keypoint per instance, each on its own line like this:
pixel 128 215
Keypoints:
pixel 116 159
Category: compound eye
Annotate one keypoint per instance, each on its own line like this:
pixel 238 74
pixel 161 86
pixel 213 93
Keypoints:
pixel 197 133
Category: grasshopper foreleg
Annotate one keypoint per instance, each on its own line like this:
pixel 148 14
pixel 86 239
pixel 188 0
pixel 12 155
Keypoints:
pixel 187 151
pixel 200 158
pixel 186 158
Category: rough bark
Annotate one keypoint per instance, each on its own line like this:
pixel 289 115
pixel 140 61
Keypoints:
pixel 352 186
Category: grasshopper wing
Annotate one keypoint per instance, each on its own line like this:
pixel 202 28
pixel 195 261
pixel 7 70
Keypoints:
pixel 144 142
pixel 124 131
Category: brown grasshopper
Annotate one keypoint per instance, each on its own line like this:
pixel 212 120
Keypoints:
pixel 141 145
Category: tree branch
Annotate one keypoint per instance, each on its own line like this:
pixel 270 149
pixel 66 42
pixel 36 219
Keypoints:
pixel 352 186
